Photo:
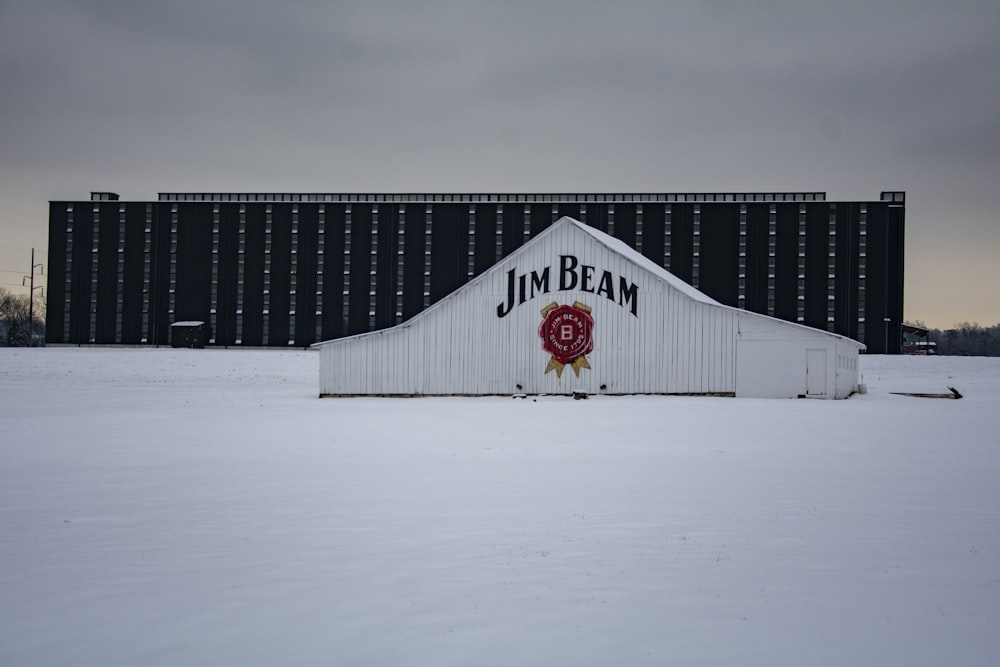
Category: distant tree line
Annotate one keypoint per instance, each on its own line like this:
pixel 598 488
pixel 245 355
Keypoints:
pixel 16 326
pixel 965 339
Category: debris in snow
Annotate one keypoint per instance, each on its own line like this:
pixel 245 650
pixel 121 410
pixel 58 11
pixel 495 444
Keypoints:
pixel 954 394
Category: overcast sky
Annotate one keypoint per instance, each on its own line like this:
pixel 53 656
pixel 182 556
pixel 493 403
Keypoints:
pixel 840 96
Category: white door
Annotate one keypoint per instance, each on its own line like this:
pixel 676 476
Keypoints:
pixel 815 372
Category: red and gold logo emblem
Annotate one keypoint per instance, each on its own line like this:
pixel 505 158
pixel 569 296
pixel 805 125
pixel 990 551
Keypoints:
pixel 567 333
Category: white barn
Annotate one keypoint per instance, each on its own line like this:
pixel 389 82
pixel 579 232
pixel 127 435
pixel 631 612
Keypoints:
pixel 576 310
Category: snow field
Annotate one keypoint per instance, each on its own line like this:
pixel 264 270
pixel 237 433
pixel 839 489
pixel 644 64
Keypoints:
pixel 164 507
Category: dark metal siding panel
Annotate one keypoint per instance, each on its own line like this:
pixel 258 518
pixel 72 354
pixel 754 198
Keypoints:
pixel 281 267
pixel 756 259
pixel 625 217
pixel 897 238
pixel 486 235
pixel 133 265
pixel 876 285
pixel 159 276
pixel 681 240
pixel 541 218
pixel 513 227
pixel 193 291
pixel 388 267
pixel 786 261
pixel 106 300
pixel 720 252
pixel 653 216
pixel 227 301
pixel 597 216
pixel 817 259
pixel 333 326
pixel 413 259
pixel 846 271
pixel 253 275
pixel 55 309
pixel 81 265
pixel 569 209
pixel 361 245
pixel 883 289
pixel 305 277
pixel 449 248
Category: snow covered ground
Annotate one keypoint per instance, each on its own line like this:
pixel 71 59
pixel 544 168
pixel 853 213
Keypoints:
pixel 180 507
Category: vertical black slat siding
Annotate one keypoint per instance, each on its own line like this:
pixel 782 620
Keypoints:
pixel 450 264
pixel 541 218
pixel 876 285
pixel 281 266
pixel 720 252
pixel 513 226
pixel 226 299
pixel 253 274
pixel 625 217
pixel 107 273
pixel 786 260
pixel 597 216
pixel 449 248
pixel 305 296
pixel 80 271
pixel 569 209
pixel 486 239
pixel 82 264
pixel 756 259
pixel 817 263
pixel 134 262
pixel 159 275
pixel 463 243
pixel 681 240
pixel 897 237
pixel 193 287
pixel 361 244
pixel 334 325
pixel 653 216
pixel 150 270
pixel 55 309
pixel 388 267
pixel 414 219
pixel 884 278
pixel 846 271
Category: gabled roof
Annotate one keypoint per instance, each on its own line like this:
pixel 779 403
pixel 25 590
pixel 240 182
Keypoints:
pixel 616 246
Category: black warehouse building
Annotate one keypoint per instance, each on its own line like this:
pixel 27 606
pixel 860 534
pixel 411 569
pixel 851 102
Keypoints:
pixel 291 269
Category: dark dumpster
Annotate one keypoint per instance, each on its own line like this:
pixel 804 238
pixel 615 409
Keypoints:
pixel 189 334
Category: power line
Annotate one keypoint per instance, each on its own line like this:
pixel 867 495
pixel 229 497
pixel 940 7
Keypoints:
pixel 13 247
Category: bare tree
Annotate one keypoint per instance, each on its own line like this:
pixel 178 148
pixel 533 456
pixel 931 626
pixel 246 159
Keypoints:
pixel 16 327
pixel 966 339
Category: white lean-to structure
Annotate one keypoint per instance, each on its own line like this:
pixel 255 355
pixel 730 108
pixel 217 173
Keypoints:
pixel 576 310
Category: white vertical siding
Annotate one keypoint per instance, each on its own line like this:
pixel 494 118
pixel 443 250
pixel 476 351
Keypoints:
pixel 772 359
pixel 676 343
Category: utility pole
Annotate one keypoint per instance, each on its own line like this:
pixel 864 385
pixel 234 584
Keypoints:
pixel 31 297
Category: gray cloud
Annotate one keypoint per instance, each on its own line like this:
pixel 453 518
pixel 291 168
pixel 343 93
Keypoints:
pixel 847 97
